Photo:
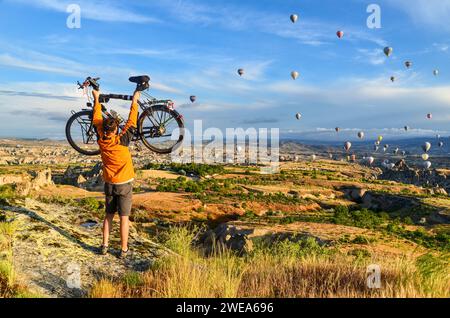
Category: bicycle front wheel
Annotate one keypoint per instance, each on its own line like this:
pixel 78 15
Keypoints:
pixel 161 129
pixel 81 134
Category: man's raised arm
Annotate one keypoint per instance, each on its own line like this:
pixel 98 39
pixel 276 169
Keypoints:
pixel 132 117
pixel 97 118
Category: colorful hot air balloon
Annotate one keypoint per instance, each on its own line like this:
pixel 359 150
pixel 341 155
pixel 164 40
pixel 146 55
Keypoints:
pixel 294 18
pixel 193 98
pixel 240 72
pixel 340 34
pixel 361 135
pixel 380 138
pixel 294 75
pixel 388 51
pixel 425 157
pixel 347 146
pixel 426 147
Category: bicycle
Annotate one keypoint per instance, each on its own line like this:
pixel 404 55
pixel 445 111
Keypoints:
pixel 157 121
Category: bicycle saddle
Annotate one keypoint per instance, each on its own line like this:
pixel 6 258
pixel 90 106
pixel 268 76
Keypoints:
pixel 139 79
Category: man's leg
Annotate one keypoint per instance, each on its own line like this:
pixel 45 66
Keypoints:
pixel 110 210
pixel 124 229
pixel 107 227
pixel 124 205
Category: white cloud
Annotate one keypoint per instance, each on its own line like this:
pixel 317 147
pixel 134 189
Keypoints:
pixel 93 9
pixel 306 30
pixel 434 13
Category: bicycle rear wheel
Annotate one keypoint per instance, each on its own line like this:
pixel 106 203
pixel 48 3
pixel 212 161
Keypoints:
pixel 81 134
pixel 161 129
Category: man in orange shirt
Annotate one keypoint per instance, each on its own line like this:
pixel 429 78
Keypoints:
pixel 118 170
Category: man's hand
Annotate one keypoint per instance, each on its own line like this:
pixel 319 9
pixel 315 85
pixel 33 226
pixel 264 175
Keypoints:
pixel 96 95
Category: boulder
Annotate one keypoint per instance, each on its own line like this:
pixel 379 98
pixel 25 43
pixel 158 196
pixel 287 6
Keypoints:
pixel 229 237
pixel 354 194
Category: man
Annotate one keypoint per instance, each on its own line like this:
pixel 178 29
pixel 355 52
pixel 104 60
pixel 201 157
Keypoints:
pixel 118 171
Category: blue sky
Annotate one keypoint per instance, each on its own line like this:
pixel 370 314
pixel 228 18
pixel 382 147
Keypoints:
pixel 193 47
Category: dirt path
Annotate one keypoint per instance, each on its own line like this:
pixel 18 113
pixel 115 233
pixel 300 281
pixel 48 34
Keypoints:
pixel 53 246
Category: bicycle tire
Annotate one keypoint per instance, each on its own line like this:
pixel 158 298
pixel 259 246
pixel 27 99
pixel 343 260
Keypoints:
pixel 70 139
pixel 175 115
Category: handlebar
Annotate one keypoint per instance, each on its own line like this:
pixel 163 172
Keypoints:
pixel 90 82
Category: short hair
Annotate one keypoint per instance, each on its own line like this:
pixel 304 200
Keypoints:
pixel 110 125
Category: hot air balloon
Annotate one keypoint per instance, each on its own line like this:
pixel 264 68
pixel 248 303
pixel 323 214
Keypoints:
pixel 340 34
pixel 427 164
pixel 239 149
pixel 396 150
pixel 347 146
pixel 425 157
pixel 375 148
pixel 380 138
pixel 294 75
pixel 240 72
pixel 298 116
pixel 294 18
pixel 388 51
pixel 438 136
pixel 406 128
pixel 408 64
pixel 403 153
pixel 370 160
pixel 430 116
pixel 426 147
pixel 392 79
pixel 193 98
pixel 337 129
pixel 330 155
pixel 377 143
pixel 441 144
pixel 313 157
pixel 361 135
pixel 436 72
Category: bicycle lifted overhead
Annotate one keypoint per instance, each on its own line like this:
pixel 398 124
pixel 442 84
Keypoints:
pixel 160 127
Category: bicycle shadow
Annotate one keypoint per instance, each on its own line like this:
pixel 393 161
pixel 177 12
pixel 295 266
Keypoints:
pixel 61 231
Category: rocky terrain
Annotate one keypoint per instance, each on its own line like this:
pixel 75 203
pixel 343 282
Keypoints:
pixel 53 196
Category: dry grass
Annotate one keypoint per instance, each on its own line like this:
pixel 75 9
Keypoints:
pixel 284 270
pixel 9 285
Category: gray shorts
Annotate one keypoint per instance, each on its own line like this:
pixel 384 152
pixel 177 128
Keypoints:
pixel 118 198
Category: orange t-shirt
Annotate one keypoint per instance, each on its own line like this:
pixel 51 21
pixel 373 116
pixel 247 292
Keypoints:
pixel 116 157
